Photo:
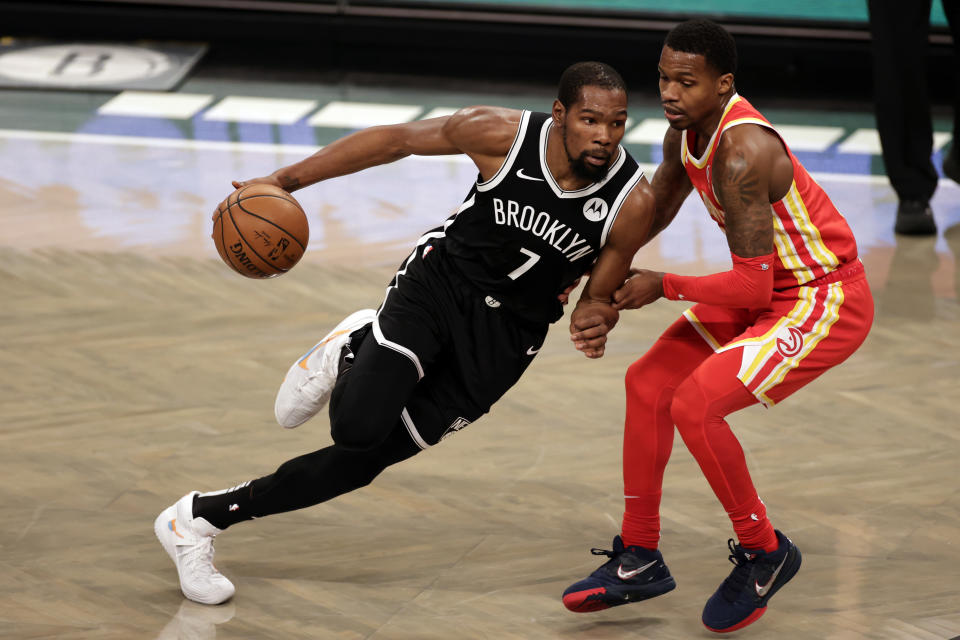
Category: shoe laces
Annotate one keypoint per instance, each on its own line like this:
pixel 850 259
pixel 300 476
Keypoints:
pixel 611 565
pixel 742 561
pixel 328 363
pixel 200 557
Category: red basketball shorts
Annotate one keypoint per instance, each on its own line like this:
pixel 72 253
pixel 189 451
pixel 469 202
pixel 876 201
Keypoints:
pixel 805 331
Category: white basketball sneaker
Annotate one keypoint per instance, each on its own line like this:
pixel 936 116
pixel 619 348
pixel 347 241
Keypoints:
pixel 189 543
pixel 310 380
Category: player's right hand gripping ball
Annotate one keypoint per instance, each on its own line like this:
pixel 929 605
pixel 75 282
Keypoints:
pixel 260 231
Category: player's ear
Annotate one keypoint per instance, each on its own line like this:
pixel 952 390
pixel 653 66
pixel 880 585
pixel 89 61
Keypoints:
pixel 725 83
pixel 559 111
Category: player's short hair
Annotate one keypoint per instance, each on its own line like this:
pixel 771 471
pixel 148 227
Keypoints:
pixel 587 74
pixel 708 39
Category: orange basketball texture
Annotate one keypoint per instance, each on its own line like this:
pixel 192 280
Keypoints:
pixel 260 231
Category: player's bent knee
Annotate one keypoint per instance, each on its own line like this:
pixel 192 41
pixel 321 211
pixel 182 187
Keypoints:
pixel 636 372
pixel 688 409
pixel 359 433
pixel 643 391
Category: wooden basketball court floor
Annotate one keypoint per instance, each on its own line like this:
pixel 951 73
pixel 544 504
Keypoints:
pixel 136 367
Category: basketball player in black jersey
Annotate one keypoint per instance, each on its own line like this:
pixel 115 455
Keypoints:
pixel 556 196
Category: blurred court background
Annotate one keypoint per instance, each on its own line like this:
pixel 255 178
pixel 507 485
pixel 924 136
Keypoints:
pixel 135 366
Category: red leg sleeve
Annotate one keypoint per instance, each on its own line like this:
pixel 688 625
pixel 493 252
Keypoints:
pixel 648 429
pixel 699 407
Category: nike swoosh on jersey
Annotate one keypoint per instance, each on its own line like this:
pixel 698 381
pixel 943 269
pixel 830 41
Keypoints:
pixel 521 174
pixel 762 591
pixel 531 351
pixel 626 575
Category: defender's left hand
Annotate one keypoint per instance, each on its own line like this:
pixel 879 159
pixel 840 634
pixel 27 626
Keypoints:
pixel 641 288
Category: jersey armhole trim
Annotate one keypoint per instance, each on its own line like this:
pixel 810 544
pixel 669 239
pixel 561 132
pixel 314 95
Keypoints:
pixel 618 204
pixel 511 156
pixel 750 120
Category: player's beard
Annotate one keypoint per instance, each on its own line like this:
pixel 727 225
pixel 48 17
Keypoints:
pixel 581 168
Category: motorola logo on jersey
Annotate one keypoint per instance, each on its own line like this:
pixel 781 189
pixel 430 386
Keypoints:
pixel 792 344
pixel 595 209
pixel 571 244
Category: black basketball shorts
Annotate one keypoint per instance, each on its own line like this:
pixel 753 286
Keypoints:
pixel 466 348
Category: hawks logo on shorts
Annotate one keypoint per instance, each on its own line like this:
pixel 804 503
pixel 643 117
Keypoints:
pixel 790 344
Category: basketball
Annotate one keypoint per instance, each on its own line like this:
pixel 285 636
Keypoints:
pixel 260 231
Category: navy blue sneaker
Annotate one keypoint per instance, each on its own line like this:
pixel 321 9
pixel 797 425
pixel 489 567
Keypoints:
pixel 632 574
pixel 757 575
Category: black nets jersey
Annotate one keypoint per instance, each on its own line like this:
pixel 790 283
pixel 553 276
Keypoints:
pixel 521 238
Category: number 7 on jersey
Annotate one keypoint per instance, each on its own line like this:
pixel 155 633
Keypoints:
pixel 532 259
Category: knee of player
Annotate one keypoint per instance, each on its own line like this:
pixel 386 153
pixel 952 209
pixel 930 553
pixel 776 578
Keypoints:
pixel 355 433
pixel 635 371
pixel 686 408
pixel 644 387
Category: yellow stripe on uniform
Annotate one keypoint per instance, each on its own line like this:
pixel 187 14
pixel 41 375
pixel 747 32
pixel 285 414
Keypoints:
pixel 747 120
pixel 819 331
pixel 812 239
pixel 787 252
pixel 763 346
pixel 702 330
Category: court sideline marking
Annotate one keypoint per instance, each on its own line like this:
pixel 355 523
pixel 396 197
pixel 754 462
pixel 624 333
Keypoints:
pixel 303 150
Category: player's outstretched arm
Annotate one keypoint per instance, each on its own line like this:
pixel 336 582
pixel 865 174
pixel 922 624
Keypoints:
pixel 483 133
pixel 594 316
pixel 742 180
pixel 671 185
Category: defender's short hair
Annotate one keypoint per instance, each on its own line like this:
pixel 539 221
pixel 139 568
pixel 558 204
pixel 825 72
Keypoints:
pixel 587 74
pixel 706 38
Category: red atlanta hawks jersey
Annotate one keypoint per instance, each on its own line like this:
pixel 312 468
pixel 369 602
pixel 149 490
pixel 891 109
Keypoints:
pixel 811 237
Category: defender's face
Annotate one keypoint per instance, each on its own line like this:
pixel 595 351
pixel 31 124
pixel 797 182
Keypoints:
pixel 592 129
pixel 690 90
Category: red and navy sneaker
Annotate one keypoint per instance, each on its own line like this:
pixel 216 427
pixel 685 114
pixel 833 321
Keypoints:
pixel 757 575
pixel 632 574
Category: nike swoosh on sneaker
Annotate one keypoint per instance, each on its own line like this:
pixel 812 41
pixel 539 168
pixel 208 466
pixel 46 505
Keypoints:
pixel 626 575
pixel 303 361
pixel 172 525
pixel 521 174
pixel 762 591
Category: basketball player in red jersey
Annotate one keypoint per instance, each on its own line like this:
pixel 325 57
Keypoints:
pixel 795 304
